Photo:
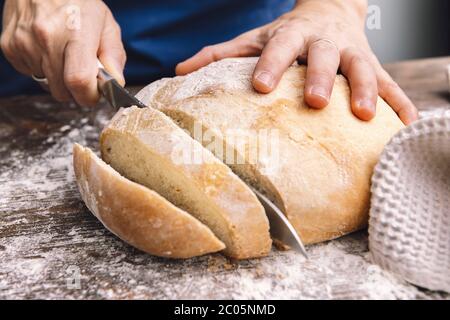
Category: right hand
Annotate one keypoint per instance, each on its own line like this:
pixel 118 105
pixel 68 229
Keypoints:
pixel 61 40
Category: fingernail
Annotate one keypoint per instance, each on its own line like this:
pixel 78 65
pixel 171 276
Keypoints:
pixel 366 104
pixel 265 78
pixel 320 92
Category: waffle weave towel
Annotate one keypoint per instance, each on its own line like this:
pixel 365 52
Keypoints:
pixel 409 228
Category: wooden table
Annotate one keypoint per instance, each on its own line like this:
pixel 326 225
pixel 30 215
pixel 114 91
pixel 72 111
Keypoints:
pixel 52 247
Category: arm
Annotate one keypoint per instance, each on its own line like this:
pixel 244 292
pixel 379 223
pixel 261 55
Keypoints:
pixel 61 40
pixel 329 35
pixel 356 7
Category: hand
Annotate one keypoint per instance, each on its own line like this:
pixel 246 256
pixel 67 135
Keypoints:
pixel 328 35
pixel 60 40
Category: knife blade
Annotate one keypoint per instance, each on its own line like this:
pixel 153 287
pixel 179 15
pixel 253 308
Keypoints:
pixel 280 227
pixel 116 95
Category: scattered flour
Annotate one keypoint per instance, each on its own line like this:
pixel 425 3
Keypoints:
pixel 31 174
pixel 43 246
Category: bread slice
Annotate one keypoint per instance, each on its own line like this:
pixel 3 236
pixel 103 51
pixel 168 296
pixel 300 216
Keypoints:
pixel 139 215
pixel 147 147
pixel 322 161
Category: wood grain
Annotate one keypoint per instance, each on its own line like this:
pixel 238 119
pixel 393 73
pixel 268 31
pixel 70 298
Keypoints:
pixel 424 81
pixel 52 247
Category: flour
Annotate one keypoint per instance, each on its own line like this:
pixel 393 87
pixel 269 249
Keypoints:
pixel 30 174
pixel 331 272
pixel 64 128
pixel 48 232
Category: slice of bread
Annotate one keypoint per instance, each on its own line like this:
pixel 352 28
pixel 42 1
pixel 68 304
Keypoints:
pixel 147 147
pixel 319 173
pixel 138 215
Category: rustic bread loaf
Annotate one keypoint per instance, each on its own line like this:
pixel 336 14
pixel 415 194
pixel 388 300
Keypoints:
pixel 139 215
pixel 321 176
pixel 147 147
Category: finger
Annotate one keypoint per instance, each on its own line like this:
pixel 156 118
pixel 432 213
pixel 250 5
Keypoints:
pixel 111 51
pixel 53 66
pixel 49 38
pixel 242 46
pixel 363 83
pixel 29 52
pixel 12 54
pixel 81 78
pixel 323 63
pixel 83 46
pixel 10 12
pixel 7 40
pixel 278 54
pixel 390 91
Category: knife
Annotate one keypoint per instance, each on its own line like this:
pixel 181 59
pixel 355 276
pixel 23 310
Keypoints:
pixel 115 94
pixel 280 227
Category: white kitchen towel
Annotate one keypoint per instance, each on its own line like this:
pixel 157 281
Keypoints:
pixel 409 227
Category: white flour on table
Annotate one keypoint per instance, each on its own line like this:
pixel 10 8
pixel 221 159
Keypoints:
pixel 34 260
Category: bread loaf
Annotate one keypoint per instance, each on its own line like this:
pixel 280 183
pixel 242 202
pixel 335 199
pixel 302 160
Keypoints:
pixel 147 147
pixel 182 201
pixel 139 215
pixel 321 177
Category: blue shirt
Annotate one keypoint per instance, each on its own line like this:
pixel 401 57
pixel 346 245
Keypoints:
pixel 159 34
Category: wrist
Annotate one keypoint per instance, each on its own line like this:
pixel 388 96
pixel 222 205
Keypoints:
pixel 353 9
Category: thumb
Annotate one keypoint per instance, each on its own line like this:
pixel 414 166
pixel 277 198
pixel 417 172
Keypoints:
pixel 111 52
pixel 241 46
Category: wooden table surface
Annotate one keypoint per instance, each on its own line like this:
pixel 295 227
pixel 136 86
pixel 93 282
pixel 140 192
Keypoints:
pixel 51 246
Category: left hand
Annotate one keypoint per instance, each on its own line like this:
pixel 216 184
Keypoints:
pixel 329 35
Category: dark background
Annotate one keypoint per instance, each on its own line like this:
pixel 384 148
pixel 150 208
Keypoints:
pixel 411 29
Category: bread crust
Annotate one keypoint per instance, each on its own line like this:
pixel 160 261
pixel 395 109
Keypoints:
pixel 322 181
pixel 235 207
pixel 138 215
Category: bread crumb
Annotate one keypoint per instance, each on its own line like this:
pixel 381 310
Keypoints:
pixel 280 245
pixel 218 262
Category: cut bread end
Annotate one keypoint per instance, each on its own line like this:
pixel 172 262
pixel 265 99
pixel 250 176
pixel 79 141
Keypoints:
pixel 138 215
